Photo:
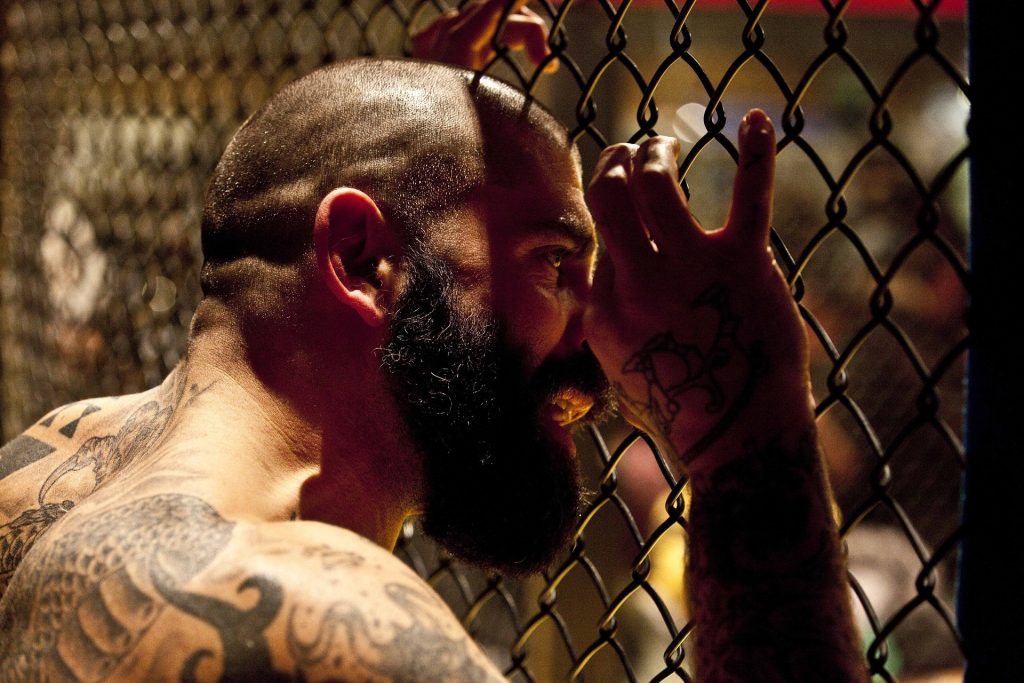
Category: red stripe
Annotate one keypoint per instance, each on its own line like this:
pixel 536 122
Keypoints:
pixel 945 9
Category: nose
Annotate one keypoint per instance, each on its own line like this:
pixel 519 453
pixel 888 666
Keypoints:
pixel 574 337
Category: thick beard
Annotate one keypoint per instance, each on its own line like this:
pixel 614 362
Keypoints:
pixel 500 491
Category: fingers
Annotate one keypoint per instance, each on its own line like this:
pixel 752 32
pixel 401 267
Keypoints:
pixel 527 31
pixel 636 198
pixel 466 37
pixel 751 211
pixel 658 197
pixel 476 29
pixel 637 202
pixel 611 204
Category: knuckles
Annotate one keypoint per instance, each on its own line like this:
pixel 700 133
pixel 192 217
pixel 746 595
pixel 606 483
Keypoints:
pixel 619 172
pixel 612 174
pixel 614 177
pixel 659 165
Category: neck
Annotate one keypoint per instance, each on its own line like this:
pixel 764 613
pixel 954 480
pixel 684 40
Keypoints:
pixel 302 444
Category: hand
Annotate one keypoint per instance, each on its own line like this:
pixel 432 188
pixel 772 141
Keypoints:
pixel 693 327
pixel 465 37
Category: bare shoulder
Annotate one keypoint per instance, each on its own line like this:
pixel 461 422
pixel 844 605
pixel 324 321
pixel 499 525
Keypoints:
pixel 164 587
pixel 353 611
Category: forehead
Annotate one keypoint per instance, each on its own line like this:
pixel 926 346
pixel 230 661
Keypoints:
pixel 523 136
pixel 533 179
pixel 532 195
pixel 531 183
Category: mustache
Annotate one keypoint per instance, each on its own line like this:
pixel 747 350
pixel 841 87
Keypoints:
pixel 580 372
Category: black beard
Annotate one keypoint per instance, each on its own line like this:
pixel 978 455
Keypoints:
pixel 500 491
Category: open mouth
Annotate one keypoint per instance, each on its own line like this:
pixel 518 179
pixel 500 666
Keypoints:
pixel 569 405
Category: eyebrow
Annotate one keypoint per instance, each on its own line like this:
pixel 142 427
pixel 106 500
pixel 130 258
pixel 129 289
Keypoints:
pixel 576 231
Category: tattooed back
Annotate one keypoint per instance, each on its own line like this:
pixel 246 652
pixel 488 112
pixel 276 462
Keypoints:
pixel 60 461
pixel 116 564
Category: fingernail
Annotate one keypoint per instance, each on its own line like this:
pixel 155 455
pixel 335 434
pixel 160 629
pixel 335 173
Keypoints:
pixel 759 121
pixel 755 126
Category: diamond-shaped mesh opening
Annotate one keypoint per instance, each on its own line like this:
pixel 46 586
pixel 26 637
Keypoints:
pixel 115 111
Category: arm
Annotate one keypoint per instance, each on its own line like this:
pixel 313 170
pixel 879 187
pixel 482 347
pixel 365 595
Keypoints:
pixel 701 337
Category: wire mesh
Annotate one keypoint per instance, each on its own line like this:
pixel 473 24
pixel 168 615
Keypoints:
pixel 115 112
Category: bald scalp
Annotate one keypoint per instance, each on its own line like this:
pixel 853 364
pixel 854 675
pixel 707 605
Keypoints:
pixel 419 138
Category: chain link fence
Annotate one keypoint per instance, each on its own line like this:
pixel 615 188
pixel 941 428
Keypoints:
pixel 115 111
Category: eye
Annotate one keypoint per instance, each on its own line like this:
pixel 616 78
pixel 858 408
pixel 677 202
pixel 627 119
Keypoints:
pixel 557 256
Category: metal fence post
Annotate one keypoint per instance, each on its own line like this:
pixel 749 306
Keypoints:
pixel 994 469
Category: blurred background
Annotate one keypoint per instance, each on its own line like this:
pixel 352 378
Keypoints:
pixel 115 111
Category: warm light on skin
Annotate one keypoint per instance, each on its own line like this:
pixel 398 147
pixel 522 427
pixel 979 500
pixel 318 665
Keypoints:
pixel 524 249
pixel 504 244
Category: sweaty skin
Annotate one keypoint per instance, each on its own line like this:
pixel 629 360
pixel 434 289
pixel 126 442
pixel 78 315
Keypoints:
pixel 235 522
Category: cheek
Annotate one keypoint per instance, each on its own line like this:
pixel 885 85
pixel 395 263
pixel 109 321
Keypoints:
pixel 536 320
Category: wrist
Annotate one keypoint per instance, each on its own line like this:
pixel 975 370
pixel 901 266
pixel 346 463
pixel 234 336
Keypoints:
pixel 777 406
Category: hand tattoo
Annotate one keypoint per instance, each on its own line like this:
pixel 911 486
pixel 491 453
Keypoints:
pixel 695 370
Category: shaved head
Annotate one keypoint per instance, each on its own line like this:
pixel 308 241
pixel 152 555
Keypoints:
pixel 418 138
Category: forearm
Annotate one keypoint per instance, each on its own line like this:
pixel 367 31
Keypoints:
pixel 699 332
pixel 765 575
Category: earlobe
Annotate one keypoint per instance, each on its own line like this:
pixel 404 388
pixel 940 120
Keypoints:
pixel 351 239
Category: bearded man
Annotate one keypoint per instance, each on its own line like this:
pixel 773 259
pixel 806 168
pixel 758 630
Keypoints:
pixel 405 312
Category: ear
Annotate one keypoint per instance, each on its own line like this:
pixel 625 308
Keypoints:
pixel 352 244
